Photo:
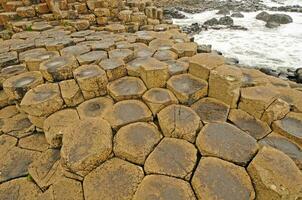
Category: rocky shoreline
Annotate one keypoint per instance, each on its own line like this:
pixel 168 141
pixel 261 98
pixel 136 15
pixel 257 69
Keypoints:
pixel 109 100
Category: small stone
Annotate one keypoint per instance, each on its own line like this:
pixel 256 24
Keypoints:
pixel 92 80
pixel 154 73
pixel 254 127
pixel 290 126
pixel 126 88
pixel 218 179
pixel 159 98
pixel 164 188
pixel 187 88
pixel 126 112
pixel 202 64
pixel 58 68
pixel 179 121
pixel 56 126
pixel 224 84
pixel 135 142
pixel 16 86
pixel 92 57
pixel 275 175
pixel 115 68
pixel 95 108
pixel 71 92
pixel 211 110
pixel 43 100
pixel 110 177
pixel 227 142
pixel 81 154
pixel 172 157
pixel 15 163
pixel 185 49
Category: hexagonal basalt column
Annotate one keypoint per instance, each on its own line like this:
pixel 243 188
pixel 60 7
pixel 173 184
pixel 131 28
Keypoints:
pixel 172 157
pixel 185 49
pixel 126 112
pixel 43 100
pixel 92 57
pixel 159 98
pixel 159 185
pixel 135 141
pixel 71 92
pixel 11 71
pixel 55 126
pixel 179 121
pixel 95 108
pixel 115 68
pixel 154 73
pixel 125 54
pixel 187 88
pixel 75 50
pixel 177 67
pixel 16 86
pixel 58 68
pixel 126 88
pixel 92 80
pixel 34 60
pixel 97 147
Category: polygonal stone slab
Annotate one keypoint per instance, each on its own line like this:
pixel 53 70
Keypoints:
pixel 126 88
pixel 225 141
pixel 15 163
pixel 161 44
pixel 219 179
pixel 164 188
pixel 254 127
pixel 164 55
pixel 125 54
pixel 35 58
pixel 154 73
pixel 276 111
pixel 43 170
pixel 187 88
pixel 92 80
pixel 58 68
pixel 87 144
pixel 11 71
pixel 172 157
pixel 185 49
pixel 114 67
pixel 133 67
pixel 290 127
pixel 55 126
pixel 255 100
pixel 126 112
pixel 95 108
pixel 18 125
pixel 71 92
pixel 6 144
pixel 285 145
pixel 93 56
pixel 275 175
pixel 58 43
pixel 20 188
pixel 34 142
pixel 43 100
pixel 30 53
pixel 105 45
pixel 115 179
pixel 224 84
pixel 134 142
pixel 74 50
pixel 201 64
pixel 159 98
pixel 8 58
pixel 179 121
pixel 211 110
pixel 177 67
pixel 16 86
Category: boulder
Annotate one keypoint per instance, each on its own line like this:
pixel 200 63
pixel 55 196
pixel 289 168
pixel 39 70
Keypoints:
pixel 157 186
pixel 218 179
pixel 237 15
pixel 271 24
pixel 280 18
pixel 178 121
pixel 223 11
pixel 134 142
pixel 227 142
pixel 211 22
pixel 264 16
pixel 116 179
pixel 172 157
pixel 275 175
pixel 227 21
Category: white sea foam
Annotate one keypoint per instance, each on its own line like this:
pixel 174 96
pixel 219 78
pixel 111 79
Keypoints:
pixel 257 47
